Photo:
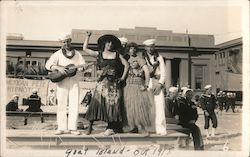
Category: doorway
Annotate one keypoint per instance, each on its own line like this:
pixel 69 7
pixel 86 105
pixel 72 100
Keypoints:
pixel 175 71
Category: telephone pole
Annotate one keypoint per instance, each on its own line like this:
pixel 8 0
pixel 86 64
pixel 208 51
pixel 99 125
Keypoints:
pixel 189 61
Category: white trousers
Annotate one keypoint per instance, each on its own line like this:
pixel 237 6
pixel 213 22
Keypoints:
pixel 68 97
pixel 160 119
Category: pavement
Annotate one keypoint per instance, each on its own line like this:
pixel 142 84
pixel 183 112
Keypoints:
pixel 228 134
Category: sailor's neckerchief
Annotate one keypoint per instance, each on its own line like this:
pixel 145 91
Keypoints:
pixel 64 51
pixel 154 65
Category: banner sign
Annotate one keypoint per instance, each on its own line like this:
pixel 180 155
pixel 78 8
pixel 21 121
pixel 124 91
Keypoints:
pixel 84 87
pixel 23 88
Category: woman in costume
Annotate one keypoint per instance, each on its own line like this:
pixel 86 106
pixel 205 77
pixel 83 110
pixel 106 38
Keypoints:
pixel 106 104
pixel 136 96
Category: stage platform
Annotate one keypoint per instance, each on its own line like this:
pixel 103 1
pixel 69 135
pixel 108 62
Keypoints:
pixel 46 139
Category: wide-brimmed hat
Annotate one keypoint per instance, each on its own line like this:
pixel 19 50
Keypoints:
pixel 109 37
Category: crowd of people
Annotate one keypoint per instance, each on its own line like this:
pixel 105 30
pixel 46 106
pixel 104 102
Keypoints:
pixel 33 102
pixel 226 100
pixel 129 91
pixel 28 69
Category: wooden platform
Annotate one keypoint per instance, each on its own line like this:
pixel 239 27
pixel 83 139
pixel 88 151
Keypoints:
pixel 37 138
pixel 45 139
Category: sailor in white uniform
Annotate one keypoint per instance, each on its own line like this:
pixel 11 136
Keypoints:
pixel 157 69
pixel 67 89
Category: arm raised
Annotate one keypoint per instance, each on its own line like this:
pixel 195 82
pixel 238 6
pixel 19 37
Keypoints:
pixel 85 46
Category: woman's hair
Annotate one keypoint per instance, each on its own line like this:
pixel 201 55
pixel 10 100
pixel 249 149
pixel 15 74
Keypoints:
pixel 129 45
pixel 102 46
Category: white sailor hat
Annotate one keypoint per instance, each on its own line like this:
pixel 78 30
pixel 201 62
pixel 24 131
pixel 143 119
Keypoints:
pixel 123 40
pixel 208 86
pixel 34 91
pixel 173 89
pixel 149 42
pixel 15 95
pixel 64 37
pixel 183 88
pixel 186 90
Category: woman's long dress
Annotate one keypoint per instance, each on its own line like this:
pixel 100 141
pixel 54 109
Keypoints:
pixel 137 102
pixel 105 104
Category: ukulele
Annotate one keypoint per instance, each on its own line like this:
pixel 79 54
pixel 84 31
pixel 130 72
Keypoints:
pixel 71 69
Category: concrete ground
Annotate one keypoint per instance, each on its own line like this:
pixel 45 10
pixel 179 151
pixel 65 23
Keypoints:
pixel 228 134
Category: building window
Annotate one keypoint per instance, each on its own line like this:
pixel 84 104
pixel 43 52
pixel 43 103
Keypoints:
pixel 198 83
pixel 215 56
pixel 198 76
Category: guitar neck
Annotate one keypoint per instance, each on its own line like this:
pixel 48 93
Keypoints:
pixel 83 65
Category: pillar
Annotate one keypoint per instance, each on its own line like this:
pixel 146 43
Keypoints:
pixel 168 73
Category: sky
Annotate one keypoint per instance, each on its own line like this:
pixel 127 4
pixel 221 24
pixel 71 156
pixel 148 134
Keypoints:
pixel 47 21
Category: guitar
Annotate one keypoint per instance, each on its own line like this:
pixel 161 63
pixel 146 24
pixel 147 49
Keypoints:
pixel 71 69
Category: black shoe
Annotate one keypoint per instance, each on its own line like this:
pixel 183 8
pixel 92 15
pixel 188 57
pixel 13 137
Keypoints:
pixel 118 130
pixel 89 131
pixel 135 130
